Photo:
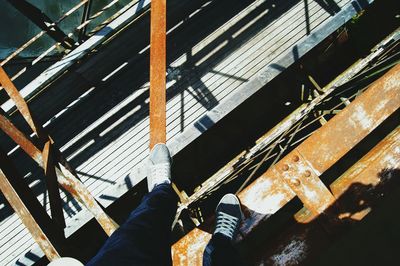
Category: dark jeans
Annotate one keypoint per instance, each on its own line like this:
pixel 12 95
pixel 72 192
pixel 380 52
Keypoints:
pixel 219 251
pixel 145 238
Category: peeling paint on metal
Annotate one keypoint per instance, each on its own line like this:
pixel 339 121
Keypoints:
pixel 390 83
pixel 391 160
pixel 361 119
pixel 310 194
pixel 265 205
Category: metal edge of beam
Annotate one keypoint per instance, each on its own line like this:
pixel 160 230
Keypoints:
pixel 212 117
pixel 55 70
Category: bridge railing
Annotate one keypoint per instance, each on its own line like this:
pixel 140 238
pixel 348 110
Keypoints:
pixel 65 42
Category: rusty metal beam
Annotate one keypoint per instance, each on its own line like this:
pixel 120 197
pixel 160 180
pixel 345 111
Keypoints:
pixel 356 192
pixel 362 116
pixel 300 176
pixel 243 158
pixel 157 72
pixel 48 236
pixel 19 101
pixel 65 178
pixel 72 184
pixel 384 157
pixel 19 138
pixel 270 192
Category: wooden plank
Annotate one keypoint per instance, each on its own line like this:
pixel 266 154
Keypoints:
pixel 226 85
pixel 138 141
pixel 265 75
pixel 247 57
pixel 100 160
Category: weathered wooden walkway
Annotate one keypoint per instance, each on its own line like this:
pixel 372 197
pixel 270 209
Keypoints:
pixel 219 54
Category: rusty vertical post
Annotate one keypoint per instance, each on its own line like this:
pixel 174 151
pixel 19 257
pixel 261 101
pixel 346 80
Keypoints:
pixel 157 72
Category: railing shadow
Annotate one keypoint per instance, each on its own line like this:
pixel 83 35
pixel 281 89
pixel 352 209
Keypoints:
pixel 109 93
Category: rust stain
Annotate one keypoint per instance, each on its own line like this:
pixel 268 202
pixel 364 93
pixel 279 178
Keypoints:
pixel 19 138
pixel 190 250
pixel 328 144
pixel 302 179
pixel 385 155
pixel 81 193
pixel 321 150
pixel 157 72
pixel 361 181
pixel 27 219
pixel 19 101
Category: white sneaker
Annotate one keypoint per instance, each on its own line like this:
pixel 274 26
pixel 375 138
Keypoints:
pixel 159 166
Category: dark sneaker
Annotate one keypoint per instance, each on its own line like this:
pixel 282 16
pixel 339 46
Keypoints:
pixel 159 166
pixel 229 216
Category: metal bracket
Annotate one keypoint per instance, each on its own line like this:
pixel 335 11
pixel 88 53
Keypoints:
pixel 304 181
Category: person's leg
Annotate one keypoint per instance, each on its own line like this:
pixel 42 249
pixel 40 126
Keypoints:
pixel 220 251
pixel 145 238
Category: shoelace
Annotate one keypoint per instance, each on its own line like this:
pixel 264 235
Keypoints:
pixel 226 224
pixel 160 171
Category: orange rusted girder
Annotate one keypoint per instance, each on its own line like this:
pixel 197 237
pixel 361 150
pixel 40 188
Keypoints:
pixel 56 172
pixel 19 101
pixel 327 145
pixel 384 157
pixel 158 72
pixel 48 235
pixel 356 192
pixel 65 178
